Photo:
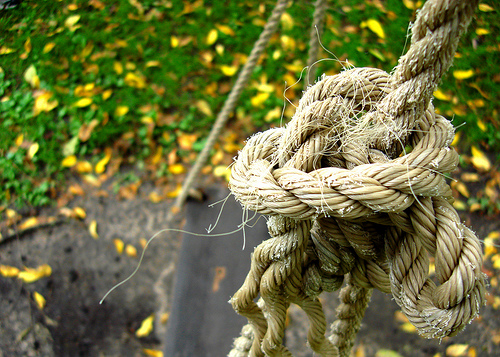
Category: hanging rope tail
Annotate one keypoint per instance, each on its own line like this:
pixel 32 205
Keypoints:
pixel 355 192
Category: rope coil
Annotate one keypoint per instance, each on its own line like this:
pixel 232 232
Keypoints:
pixel 354 186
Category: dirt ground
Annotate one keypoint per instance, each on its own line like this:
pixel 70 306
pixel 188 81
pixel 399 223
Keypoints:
pixel 73 323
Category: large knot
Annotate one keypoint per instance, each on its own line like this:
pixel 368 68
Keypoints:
pixel 378 211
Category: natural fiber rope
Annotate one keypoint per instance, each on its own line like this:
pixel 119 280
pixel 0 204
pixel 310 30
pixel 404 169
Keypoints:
pixel 230 103
pixel 346 199
pixel 314 35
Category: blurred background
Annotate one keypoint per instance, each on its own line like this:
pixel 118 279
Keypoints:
pixel 104 106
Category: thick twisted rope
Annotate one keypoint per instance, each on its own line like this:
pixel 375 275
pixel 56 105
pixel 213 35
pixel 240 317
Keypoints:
pixel 354 187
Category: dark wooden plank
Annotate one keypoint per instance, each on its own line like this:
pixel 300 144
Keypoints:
pixel 202 322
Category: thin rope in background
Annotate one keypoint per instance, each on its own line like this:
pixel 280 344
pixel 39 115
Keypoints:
pixel 230 103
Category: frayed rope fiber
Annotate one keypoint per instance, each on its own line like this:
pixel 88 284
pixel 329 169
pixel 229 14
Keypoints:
pixel 354 186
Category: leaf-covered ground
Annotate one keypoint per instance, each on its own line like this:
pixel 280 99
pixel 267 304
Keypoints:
pixel 89 86
pixel 112 97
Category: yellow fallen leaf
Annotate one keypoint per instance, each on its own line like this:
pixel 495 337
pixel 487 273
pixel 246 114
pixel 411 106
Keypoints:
pixel 83 102
pixel 6 50
pixel 48 47
pixel 287 21
pixel 273 114
pixel 226 30
pixel 101 165
pixel 118 245
pixel 494 235
pixel 43 104
pixel 135 80
pixel 408 327
pixel 456 138
pixel 490 244
pixel 175 192
pixel 19 139
pixel 152 353
pixel 204 107
pixel 481 125
pixel 459 205
pixel 147 120
pixel 460 187
pixel 33 150
pixel 176 169
pixel 150 64
pixel 457 350
pixel 295 68
pixel 288 43
pixel 8 271
pixel 174 41
pixel 491 193
pixel 259 99
pixel 463 74
pixel 10 213
pixel 481 31
pixel 211 37
pixel 93 229
pixel 186 141
pixel 222 171
pixel 479 159
pixel 131 251
pixel 91 179
pixel 80 212
pixel 438 94
pixel 106 94
pixel 470 177
pixel 277 54
pixel 219 49
pixel 27 46
pixel 118 67
pixel 30 275
pixel 217 157
pixel 28 223
pixel 496 306
pixel 412 4
pixel 229 70
pixel 475 207
pixel 86 130
pixel 156 158
pixel 87 50
pixel 374 26
pixel 155 197
pixel 146 326
pixel 31 76
pixel 39 300
pixel 496 262
pixel 84 167
pixel 121 110
pixel 71 21
pixel 485 8
pixel 69 161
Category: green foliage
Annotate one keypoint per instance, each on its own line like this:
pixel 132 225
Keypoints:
pixel 136 76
